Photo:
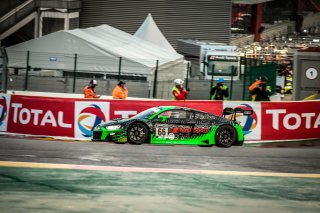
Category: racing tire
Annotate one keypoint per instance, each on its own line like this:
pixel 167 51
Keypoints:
pixel 225 136
pixel 137 133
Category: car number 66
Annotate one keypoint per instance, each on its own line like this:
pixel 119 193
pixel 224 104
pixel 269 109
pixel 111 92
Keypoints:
pixel 162 132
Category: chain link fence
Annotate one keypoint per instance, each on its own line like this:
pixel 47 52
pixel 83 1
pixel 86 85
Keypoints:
pixel 30 71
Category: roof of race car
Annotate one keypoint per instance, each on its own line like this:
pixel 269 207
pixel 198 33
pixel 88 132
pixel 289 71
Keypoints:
pixel 179 107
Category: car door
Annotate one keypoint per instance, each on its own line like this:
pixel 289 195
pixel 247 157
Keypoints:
pixel 202 124
pixel 173 125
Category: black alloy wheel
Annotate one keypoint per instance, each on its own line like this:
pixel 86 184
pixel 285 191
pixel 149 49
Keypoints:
pixel 137 133
pixel 225 136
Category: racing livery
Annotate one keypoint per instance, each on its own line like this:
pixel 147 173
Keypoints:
pixel 174 125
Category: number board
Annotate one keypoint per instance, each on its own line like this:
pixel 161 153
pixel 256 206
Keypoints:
pixel 161 132
pixel 310 76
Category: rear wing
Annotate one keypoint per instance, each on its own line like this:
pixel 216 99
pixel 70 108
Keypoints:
pixel 234 111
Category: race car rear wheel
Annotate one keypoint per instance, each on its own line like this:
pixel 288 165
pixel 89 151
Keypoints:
pixel 225 136
pixel 137 133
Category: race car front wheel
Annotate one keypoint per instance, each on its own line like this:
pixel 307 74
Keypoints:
pixel 225 136
pixel 137 133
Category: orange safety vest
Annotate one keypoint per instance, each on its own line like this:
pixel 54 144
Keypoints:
pixel 251 88
pixel 89 92
pixel 119 93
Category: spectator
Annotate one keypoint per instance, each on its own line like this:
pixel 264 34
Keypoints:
pixel 89 91
pixel 120 91
pixel 178 92
pixel 259 90
pixel 220 91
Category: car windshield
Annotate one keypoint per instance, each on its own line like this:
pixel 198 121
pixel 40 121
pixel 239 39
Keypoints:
pixel 223 68
pixel 147 113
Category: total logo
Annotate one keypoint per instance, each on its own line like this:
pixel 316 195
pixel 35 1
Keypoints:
pixel 251 125
pixel 248 123
pixel 88 115
pixel 3 110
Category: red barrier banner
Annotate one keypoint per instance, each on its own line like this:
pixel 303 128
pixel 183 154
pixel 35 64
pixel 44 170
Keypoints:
pixel 41 116
pixel 77 117
pixel 290 120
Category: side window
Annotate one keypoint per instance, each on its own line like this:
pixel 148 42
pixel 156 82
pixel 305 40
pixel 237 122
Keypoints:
pixel 166 113
pixel 191 115
pixel 199 115
pixel 181 114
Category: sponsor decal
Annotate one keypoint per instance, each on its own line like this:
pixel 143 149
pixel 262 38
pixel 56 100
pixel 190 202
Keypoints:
pixel 200 130
pixel 4 102
pixel 40 116
pixel 171 136
pixel 189 130
pixel 88 115
pixel 23 115
pixel 293 120
pixel 181 130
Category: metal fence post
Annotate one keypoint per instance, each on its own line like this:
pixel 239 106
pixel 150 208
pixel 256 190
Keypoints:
pixel 211 84
pixel 4 68
pixel 231 83
pixel 187 79
pixel 75 72
pixel 244 79
pixel 119 71
pixel 27 70
pixel 154 94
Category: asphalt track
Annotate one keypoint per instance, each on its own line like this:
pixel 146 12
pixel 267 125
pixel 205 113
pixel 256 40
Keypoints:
pixel 58 176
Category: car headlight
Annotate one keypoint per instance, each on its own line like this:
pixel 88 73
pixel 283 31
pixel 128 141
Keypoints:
pixel 115 127
pixel 97 128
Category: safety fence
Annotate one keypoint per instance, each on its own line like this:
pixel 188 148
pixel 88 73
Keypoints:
pixel 58 72
pixel 75 117
pixel 72 69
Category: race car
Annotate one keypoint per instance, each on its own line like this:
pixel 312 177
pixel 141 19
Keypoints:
pixel 174 125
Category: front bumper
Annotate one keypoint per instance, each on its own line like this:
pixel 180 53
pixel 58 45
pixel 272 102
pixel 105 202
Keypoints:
pixel 118 136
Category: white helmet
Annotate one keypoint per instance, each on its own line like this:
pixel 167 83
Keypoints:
pixel 93 82
pixel 178 81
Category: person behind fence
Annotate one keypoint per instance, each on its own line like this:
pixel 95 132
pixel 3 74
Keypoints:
pixel 120 91
pixel 178 92
pixel 89 91
pixel 220 91
pixel 259 89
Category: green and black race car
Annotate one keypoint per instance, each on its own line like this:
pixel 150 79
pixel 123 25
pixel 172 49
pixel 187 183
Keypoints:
pixel 174 125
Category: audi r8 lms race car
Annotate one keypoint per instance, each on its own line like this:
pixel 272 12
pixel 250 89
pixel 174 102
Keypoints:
pixel 174 125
